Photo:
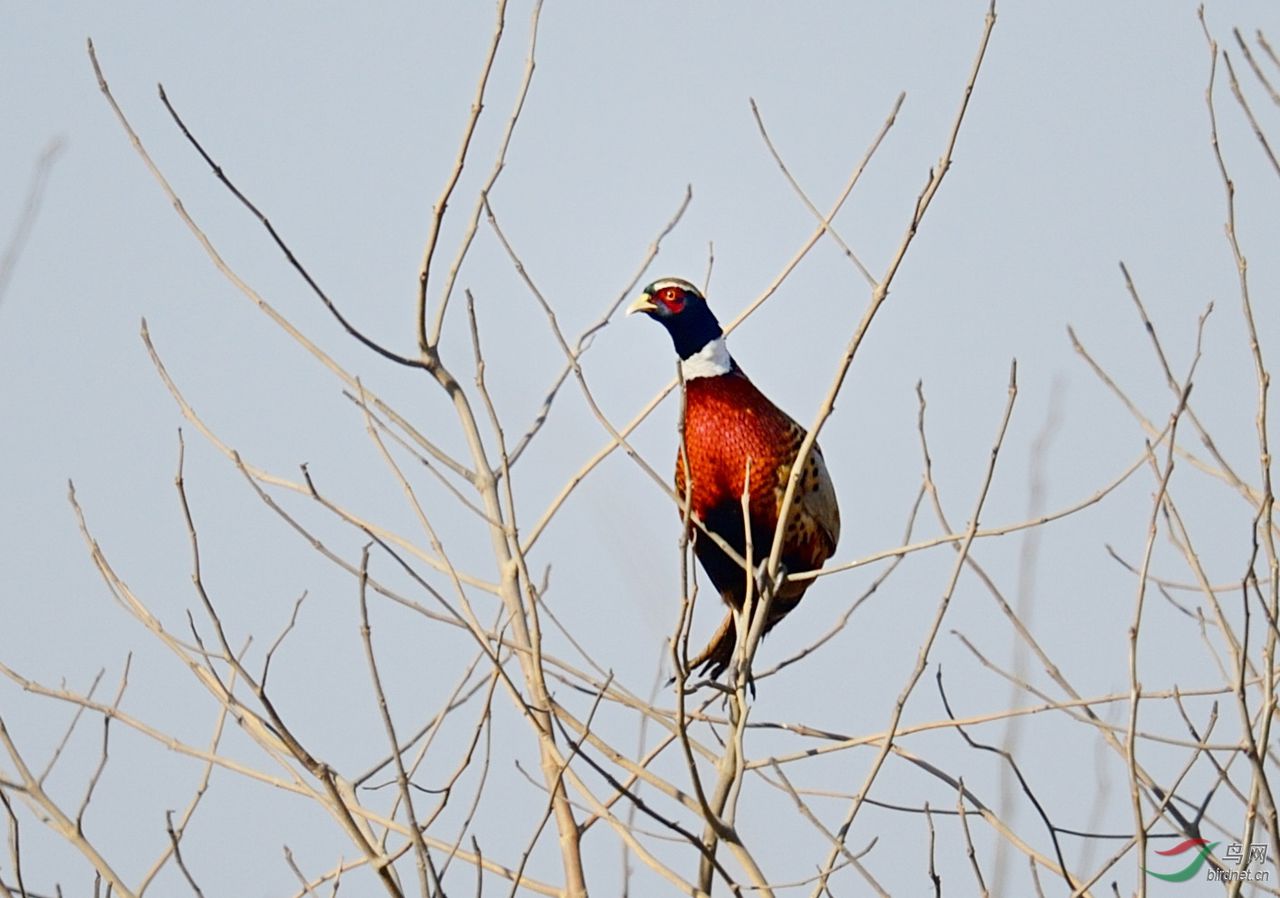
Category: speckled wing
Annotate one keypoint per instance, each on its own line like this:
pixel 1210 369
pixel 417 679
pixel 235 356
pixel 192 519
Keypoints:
pixel 813 525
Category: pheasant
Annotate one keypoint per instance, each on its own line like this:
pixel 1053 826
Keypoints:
pixel 732 432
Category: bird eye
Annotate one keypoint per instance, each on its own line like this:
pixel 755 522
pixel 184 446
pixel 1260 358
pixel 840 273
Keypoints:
pixel 672 298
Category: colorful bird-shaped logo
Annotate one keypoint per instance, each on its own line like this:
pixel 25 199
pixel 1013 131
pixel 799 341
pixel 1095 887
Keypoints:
pixel 1205 848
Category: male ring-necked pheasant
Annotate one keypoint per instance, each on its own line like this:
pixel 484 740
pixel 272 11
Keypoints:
pixel 730 427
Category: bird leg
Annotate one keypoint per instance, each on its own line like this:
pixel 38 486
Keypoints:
pixel 766 585
pixel 737 665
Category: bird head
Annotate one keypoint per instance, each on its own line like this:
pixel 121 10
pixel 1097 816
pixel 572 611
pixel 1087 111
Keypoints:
pixel 682 309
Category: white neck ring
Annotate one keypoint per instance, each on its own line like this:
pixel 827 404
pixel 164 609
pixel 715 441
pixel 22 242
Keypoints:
pixel 711 360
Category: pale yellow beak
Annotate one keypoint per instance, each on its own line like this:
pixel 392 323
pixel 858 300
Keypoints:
pixel 643 303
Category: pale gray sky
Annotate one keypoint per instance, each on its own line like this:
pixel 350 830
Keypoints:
pixel 1087 143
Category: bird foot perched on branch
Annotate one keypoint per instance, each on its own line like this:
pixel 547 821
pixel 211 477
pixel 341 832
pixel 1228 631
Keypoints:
pixel 766 585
